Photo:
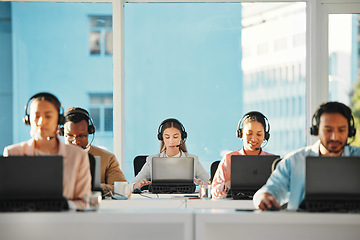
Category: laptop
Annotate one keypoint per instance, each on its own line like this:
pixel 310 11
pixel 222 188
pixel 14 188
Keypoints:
pixel 97 174
pixel 172 175
pixel 31 183
pixel 249 173
pixel 332 184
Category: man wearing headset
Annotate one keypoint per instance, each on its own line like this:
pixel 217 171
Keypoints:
pixel 76 131
pixel 334 124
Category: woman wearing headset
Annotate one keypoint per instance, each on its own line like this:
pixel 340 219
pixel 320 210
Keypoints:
pixel 253 129
pixel 172 136
pixel 44 119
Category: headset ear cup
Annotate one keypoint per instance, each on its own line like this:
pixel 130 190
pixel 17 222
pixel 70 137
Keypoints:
pixel 61 131
pixel 26 120
pixel 239 133
pixel 352 132
pixel 267 136
pixel 62 120
pixel 184 135
pixel 91 129
pixel 314 130
pixel 159 136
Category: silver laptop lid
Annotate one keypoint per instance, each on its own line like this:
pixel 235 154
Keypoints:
pixel 97 180
pixel 250 172
pixel 332 177
pixel 172 169
pixel 31 177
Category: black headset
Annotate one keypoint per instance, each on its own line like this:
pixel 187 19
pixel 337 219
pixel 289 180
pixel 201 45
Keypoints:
pixel 256 114
pixel 333 107
pixel 160 129
pixel 91 127
pixel 49 97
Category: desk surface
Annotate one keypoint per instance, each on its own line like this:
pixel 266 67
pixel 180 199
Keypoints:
pixel 173 201
pixel 180 219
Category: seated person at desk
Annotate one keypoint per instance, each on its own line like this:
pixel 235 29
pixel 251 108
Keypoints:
pixel 76 131
pixel 253 129
pixel 334 124
pixel 44 118
pixel 172 135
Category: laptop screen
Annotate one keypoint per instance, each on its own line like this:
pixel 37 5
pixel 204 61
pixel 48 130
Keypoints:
pixel 332 177
pixel 172 169
pixel 250 172
pixel 31 177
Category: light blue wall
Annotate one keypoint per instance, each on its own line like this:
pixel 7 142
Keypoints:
pixel 6 120
pixel 51 53
pixel 183 61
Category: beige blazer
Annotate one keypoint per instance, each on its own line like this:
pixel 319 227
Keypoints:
pixel 110 170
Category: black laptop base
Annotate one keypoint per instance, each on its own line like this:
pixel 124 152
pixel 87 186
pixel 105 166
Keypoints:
pixel 168 188
pixel 53 205
pixel 238 194
pixel 329 206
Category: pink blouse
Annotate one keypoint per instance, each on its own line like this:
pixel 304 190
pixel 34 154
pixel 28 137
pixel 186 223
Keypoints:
pixel 221 182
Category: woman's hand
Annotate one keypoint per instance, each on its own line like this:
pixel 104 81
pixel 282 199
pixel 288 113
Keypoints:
pixel 142 183
pixel 201 182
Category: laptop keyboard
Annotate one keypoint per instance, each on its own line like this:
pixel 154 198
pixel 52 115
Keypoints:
pixel 245 195
pixel 331 206
pixel 53 205
pixel 172 188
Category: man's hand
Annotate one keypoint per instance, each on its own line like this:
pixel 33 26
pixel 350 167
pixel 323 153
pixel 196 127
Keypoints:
pixel 268 202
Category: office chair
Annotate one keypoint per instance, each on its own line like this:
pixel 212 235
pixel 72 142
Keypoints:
pixel 213 169
pixel 275 163
pixel 139 162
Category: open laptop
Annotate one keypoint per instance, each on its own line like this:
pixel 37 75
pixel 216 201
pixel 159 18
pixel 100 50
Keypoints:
pixel 249 173
pixel 332 184
pixel 172 175
pixel 31 183
pixel 97 174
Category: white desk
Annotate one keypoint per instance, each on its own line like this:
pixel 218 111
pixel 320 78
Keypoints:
pixel 115 224
pixel 228 224
pixel 179 219
pixel 169 201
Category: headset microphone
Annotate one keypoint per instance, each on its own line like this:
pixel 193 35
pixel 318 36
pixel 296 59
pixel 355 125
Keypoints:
pixel 49 138
pixel 257 148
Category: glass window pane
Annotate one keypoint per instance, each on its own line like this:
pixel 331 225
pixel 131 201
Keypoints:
pixel 108 43
pixel 205 64
pixel 95 115
pixel 344 62
pixel 45 47
pixel 108 119
pixel 95 42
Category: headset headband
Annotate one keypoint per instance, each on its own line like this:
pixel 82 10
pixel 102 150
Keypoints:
pixel 160 129
pixel 83 112
pixel 256 114
pixel 48 97
pixel 333 107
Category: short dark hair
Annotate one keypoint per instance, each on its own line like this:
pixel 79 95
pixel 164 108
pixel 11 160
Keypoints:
pixel 333 107
pixel 76 115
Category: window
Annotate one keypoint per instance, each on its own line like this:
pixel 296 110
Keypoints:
pixel 101 35
pixel 101 110
pixel 344 42
pixel 39 56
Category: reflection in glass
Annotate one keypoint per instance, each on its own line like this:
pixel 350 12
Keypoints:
pixel 344 63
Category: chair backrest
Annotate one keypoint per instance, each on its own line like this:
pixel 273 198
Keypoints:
pixel 213 169
pixel 273 166
pixel 139 162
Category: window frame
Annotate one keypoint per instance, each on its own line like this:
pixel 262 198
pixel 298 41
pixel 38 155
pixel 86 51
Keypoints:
pixel 317 58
